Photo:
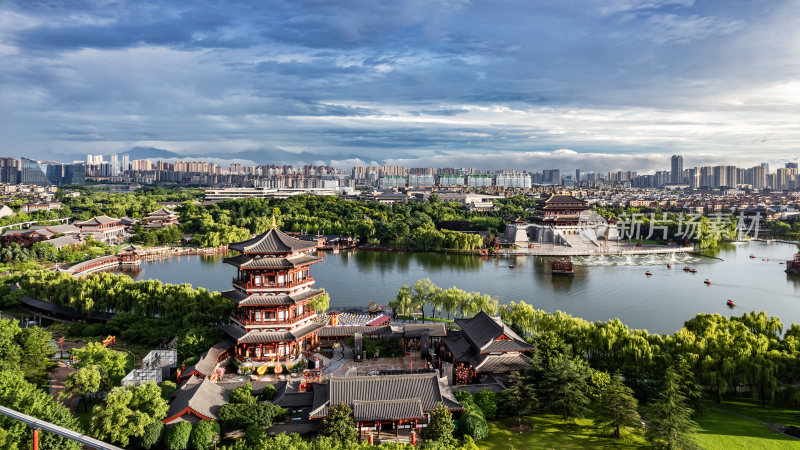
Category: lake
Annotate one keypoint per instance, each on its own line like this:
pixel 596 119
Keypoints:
pixel 602 287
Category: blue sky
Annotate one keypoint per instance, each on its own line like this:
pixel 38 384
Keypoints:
pixel 595 84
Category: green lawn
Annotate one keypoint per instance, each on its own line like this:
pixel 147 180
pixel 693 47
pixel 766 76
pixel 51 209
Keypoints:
pixel 743 424
pixel 550 432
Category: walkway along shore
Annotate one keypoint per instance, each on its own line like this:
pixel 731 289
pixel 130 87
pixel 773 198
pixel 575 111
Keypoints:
pixel 145 254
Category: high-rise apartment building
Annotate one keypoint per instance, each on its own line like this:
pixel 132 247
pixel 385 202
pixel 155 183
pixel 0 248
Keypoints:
pixel 114 165
pixel 9 170
pixel 126 163
pixel 676 174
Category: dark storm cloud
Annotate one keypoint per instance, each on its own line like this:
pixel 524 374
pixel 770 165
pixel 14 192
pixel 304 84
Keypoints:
pixel 406 80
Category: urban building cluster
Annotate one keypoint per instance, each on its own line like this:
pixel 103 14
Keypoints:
pixel 120 169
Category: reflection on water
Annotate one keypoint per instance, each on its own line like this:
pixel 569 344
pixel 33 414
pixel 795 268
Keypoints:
pixel 602 288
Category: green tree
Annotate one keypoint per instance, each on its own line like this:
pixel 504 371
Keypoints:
pixel 167 388
pixel 94 354
pixel 127 411
pixel 564 386
pixel 339 425
pixel 671 423
pixel 473 423
pixel 177 437
pixel 83 381
pixel 36 352
pixel 243 394
pixel 20 395
pixel 487 402
pixel 518 399
pixel 321 303
pixel 440 426
pixel 203 433
pixel 617 407
pixel 152 434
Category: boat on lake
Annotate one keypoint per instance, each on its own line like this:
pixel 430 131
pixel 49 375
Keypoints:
pixel 730 303
pixel 707 282
pixel 648 273
pixel 793 266
pixel 562 266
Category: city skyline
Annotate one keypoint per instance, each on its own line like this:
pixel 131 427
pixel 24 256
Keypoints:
pixel 595 85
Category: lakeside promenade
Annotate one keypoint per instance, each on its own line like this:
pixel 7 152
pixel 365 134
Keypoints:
pixel 592 250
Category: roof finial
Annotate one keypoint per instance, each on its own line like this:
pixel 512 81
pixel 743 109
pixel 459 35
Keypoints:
pixel 273 225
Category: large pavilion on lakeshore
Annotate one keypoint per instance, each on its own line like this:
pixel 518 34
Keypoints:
pixel 273 290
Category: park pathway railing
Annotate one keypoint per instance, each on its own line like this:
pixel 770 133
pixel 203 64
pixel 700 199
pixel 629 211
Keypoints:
pixel 37 425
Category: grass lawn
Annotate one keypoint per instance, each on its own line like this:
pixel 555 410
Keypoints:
pixel 743 424
pixel 550 432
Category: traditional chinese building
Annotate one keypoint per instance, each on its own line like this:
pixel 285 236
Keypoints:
pixel 102 228
pixel 393 404
pixel 559 211
pixel 273 289
pixel 561 215
pixel 161 218
pixel 485 345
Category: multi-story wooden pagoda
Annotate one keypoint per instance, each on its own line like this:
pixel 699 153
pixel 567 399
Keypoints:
pixel 273 290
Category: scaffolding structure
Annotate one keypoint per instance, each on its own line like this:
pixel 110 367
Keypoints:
pixel 139 376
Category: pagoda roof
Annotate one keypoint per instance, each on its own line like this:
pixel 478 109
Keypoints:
pixel 244 299
pixel 564 199
pixel 273 241
pixel 272 336
pixel 162 212
pixel 249 262
pixel 483 331
pixel 97 220
pixel 500 363
pixel 387 397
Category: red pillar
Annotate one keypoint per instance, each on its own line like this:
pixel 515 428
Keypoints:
pixel 35 439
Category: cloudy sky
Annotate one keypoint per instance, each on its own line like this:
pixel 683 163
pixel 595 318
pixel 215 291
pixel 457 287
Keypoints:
pixel 591 84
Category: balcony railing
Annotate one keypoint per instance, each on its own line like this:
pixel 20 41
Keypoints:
pixel 273 322
pixel 242 284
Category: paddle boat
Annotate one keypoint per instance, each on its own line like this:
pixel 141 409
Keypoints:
pixel 648 273
pixel 730 303
pixel 707 282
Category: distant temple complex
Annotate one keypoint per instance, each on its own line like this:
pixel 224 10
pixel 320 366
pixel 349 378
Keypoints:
pixel 273 320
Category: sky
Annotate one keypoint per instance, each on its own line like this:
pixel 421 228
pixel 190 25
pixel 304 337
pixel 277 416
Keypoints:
pixel 591 84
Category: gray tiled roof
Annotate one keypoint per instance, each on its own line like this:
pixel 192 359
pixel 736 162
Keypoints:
pixel 482 330
pixel 233 330
pixel 243 299
pixel 416 329
pixel 340 331
pixel 273 241
pixel 97 220
pixel 387 410
pixel 458 345
pixel 288 395
pixel 425 387
pixel 280 336
pixel 500 363
pixel 208 360
pixel 249 262
pixel 162 212
pixel 201 395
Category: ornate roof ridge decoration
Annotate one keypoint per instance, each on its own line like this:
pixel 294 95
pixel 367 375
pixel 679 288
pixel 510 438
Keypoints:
pixel 273 241
pixel 244 299
pixel 245 261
